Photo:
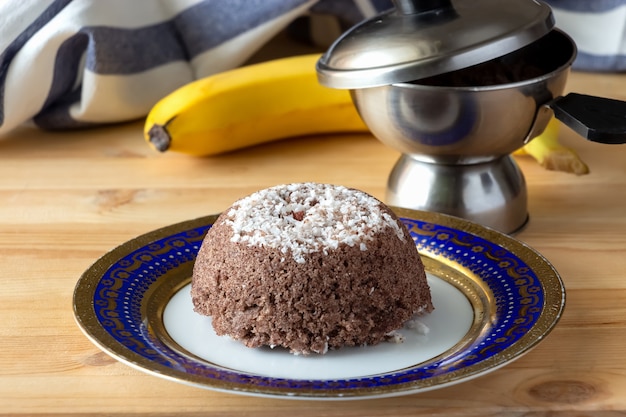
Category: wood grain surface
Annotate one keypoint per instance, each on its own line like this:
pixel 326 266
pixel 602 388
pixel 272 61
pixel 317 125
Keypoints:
pixel 68 197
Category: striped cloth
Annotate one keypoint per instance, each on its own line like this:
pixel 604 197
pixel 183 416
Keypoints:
pixel 79 63
pixel 599 29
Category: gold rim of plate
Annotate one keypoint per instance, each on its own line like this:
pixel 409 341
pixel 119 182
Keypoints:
pixel 478 293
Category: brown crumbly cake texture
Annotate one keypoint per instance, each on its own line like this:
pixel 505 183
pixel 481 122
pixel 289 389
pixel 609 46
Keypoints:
pixel 309 267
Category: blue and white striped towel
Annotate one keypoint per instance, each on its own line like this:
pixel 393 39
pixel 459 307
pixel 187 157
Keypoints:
pixel 77 63
pixel 599 29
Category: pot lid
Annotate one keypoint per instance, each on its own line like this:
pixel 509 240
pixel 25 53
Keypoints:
pixel 422 38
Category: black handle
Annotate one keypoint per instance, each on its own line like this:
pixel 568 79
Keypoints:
pixel 597 119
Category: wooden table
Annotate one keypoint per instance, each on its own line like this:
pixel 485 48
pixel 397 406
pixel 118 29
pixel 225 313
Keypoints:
pixel 67 198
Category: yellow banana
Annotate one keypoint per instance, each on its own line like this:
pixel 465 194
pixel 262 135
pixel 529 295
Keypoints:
pixel 551 154
pixel 250 105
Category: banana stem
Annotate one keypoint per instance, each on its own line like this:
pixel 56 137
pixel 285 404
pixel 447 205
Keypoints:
pixel 159 137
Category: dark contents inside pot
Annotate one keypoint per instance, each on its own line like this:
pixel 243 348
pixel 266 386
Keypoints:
pixel 540 57
pixel 488 73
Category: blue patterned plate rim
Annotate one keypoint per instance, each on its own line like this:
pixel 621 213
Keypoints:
pixel 520 295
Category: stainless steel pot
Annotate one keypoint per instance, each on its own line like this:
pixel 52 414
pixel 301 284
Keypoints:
pixel 456 87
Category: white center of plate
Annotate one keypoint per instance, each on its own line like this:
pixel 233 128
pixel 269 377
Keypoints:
pixel 447 324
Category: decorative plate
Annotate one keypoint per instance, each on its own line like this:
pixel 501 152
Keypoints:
pixel 495 298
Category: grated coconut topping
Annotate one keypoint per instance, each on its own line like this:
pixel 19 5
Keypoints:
pixel 305 218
